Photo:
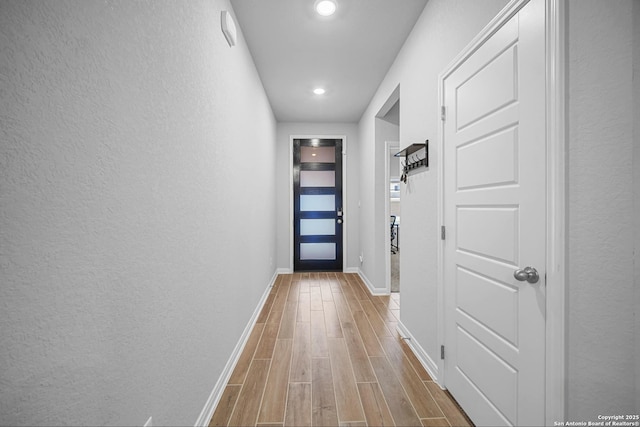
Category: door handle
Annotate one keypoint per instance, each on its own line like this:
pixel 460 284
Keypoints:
pixel 339 220
pixel 529 274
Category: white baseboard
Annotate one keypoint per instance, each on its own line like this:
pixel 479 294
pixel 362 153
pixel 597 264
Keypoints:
pixel 284 271
pixel 218 389
pixel 352 270
pixel 374 291
pixel 426 361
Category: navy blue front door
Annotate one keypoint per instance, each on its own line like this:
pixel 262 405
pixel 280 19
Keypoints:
pixel 318 215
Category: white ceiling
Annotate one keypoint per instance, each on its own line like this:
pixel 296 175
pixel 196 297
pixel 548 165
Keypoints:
pixel 349 53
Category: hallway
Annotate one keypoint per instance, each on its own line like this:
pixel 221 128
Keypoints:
pixel 325 352
pixel 147 210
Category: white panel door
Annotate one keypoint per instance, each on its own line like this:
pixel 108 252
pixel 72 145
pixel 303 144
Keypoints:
pixel 494 196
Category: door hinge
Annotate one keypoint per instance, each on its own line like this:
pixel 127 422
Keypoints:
pixel 443 113
pixel 442 352
pixel 443 233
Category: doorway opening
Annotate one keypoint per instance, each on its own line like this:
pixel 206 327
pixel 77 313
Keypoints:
pixel 388 187
pixel 393 203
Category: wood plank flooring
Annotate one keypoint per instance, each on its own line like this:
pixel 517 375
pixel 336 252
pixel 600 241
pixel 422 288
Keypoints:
pixel 325 352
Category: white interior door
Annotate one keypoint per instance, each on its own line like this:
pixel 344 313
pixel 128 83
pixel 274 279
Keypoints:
pixel 494 204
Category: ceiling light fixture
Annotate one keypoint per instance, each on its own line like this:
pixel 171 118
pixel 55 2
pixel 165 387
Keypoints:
pixel 319 91
pixel 326 7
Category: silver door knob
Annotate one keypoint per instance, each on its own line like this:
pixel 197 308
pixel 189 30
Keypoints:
pixel 529 274
pixel 339 220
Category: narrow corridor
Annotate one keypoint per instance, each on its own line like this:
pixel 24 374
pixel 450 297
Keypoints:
pixel 324 352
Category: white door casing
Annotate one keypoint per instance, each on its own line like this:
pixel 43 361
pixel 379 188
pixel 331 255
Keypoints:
pixel 494 152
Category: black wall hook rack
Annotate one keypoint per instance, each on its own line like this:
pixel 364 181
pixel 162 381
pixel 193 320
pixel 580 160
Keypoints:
pixel 412 160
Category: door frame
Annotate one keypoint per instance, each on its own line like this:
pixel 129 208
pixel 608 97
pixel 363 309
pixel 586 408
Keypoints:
pixel 388 146
pixel 556 313
pixel 345 210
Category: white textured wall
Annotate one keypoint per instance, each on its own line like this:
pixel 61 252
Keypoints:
pixel 350 203
pixel 601 361
pixel 442 31
pixel 137 182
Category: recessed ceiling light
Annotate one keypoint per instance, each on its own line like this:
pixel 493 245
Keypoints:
pixel 326 7
pixel 319 91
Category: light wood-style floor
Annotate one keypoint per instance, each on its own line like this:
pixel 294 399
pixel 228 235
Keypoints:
pixel 324 352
